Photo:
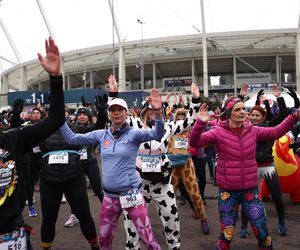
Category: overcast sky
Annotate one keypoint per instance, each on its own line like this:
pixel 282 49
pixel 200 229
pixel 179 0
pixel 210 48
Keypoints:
pixel 80 24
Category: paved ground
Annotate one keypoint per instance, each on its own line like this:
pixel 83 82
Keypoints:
pixel 191 236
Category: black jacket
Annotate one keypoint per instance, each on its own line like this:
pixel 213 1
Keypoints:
pixel 19 141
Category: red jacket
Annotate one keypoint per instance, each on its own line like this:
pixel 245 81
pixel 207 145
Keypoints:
pixel 236 165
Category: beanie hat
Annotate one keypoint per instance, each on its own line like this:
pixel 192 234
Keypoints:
pixel 83 110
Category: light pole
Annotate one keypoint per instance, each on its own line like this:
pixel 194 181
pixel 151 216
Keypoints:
pixel 142 56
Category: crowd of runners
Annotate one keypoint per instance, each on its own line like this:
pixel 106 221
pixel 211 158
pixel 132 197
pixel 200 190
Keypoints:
pixel 152 153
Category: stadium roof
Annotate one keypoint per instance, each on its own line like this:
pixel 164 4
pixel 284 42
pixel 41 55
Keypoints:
pixel 171 28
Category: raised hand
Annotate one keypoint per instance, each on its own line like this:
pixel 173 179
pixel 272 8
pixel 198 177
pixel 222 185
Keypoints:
pixel 292 93
pixel 168 97
pixel 155 99
pixel 195 90
pixel 275 90
pixel 244 89
pixel 83 101
pixel 18 107
pixel 203 113
pixel 51 62
pixel 262 98
pixel 100 103
pixel 260 93
pixel 112 83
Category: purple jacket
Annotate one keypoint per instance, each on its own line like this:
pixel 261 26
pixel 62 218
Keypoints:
pixel 237 167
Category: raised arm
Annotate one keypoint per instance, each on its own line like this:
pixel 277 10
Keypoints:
pixel 197 137
pixel 32 135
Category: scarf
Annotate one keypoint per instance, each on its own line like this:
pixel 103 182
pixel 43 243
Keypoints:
pixel 118 132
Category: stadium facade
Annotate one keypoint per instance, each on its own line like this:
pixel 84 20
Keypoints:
pixel 259 58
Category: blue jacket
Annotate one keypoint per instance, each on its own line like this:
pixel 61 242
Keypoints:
pixel 118 156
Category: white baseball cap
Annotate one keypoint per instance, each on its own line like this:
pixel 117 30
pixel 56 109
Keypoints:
pixel 118 101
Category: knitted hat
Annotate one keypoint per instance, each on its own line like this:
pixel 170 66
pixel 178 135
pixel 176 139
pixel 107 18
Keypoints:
pixel 83 110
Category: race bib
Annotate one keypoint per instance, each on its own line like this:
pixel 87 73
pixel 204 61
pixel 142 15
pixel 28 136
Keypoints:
pixel 36 150
pixel 181 143
pixel 151 165
pixel 131 198
pixel 59 158
pixel 83 154
pixel 14 242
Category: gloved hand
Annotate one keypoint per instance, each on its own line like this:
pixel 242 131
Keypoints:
pixel 100 103
pixel 293 94
pixel 260 93
pixel 83 101
pixel 17 107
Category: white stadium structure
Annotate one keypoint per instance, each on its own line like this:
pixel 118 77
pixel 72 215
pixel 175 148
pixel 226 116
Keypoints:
pixel 219 62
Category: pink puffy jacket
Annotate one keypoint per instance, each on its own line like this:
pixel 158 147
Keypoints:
pixel 236 165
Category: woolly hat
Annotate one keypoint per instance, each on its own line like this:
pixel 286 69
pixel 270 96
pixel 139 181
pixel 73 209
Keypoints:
pixel 83 110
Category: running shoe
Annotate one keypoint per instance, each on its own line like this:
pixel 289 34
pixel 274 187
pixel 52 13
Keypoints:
pixel 282 230
pixel 204 225
pixel 244 232
pixel 72 221
pixel 32 212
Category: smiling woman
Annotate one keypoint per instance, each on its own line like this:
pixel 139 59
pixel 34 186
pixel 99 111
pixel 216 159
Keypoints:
pixel 235 143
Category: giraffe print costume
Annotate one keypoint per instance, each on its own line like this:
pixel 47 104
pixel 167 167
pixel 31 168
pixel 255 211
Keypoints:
pixel 185 172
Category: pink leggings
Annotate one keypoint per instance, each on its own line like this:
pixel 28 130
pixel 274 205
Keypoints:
pixel 109 214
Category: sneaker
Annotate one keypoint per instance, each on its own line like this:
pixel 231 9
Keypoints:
pixel 32 212
pixel 282 230
pixel 244 232
pixel 204 225
pixel 72 221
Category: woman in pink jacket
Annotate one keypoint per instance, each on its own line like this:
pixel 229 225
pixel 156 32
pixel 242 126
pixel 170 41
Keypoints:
pixel 235 143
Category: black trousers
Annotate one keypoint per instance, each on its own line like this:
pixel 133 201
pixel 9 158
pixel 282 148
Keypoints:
pixel 200 170
pixel 91 169
pixel 76 195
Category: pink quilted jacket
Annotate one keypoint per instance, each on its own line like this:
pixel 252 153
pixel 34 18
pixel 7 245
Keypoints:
pixel 236 165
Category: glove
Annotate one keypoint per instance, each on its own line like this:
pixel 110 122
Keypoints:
pixel 260 93
pixel 83 101
pixel 100 103
pixel 17 107
pixel 105 98
pixel 293 94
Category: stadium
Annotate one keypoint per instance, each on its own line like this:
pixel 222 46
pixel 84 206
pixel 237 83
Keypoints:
pixel 219 62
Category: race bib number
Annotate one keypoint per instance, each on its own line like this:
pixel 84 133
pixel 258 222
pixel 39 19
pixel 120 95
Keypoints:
pixel 181 143
pixel 36 150
pixel 131 198
pixel 83 154
pixel 16 244
pixel 59 158
pixel 151 165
